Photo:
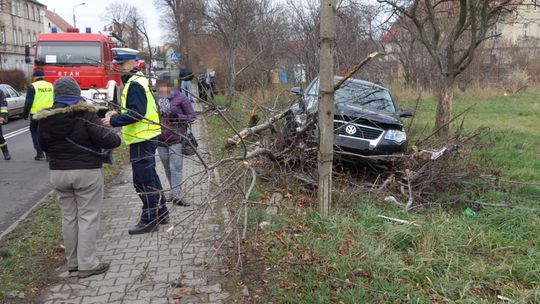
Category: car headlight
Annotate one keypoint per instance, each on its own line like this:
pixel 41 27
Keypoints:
pixel 102 96
pixel 395 135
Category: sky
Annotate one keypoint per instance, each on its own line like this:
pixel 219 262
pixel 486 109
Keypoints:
pixel 90 14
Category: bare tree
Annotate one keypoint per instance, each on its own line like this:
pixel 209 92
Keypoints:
pixel 183 19
pixel 251 32
pixel 451 31
pixel 356 29
pixel 124 19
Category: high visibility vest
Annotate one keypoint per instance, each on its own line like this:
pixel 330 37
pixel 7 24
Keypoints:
pixel 148 127
pixel 44 97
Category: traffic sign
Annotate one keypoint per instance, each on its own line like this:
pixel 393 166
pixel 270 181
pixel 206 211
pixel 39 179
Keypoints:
pixel 174 56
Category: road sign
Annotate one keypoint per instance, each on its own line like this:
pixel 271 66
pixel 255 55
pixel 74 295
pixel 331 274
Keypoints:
pixel 174 56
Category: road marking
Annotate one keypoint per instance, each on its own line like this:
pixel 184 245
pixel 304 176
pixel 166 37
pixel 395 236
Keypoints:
pixel 15 133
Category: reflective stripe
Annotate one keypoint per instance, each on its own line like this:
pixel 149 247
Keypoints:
pixel 44 96
pixel 148 127
pixel 3 110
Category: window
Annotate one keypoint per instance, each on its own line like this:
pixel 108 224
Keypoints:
pixel 26 11
pixel 15 40
pixel 535 4
pixel 525 30
pixel 33 13
pixel 21 40
pixel 493 32
pixel 3 34
pixel 28 36
pixel 68 53
pixel 14 7
pixel 34 38
pixel 105 52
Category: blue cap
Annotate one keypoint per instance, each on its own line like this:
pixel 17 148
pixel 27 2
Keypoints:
pixel 124 54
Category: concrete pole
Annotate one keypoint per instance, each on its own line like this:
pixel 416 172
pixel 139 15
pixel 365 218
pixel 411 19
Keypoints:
pixel 326 105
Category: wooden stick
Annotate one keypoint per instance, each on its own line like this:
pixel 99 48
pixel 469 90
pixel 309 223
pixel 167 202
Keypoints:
pixel 397 220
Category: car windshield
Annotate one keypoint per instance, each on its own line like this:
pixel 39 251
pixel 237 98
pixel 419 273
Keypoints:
pixel 68 53
pixel 370 97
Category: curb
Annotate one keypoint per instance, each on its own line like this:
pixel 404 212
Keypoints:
pixel 24 216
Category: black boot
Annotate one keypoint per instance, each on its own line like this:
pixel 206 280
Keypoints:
pixel 6 153
pixel 141 228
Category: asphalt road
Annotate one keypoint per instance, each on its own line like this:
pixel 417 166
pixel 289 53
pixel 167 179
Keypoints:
pixel 23 180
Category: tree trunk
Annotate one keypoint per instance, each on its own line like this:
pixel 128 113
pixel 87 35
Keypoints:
pixel 444 107
pixel 326 106
pixel 231 61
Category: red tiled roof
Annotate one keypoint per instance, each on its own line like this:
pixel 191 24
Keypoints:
pixel 62 24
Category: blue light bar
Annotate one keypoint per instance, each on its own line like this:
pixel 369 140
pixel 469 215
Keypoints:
pixel 54 29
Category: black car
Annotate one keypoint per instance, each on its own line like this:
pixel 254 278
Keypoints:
pixel 366 120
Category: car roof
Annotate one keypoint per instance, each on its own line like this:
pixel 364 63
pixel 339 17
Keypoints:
pixel 362 82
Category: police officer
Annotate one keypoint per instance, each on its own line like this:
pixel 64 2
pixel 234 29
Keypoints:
pixel 3 120
pixel 39 95
pixel 139 119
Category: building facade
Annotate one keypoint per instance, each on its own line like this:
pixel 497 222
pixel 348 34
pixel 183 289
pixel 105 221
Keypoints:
pixel 20 23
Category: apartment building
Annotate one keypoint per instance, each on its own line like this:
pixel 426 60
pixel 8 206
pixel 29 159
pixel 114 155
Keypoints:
pixel 20 23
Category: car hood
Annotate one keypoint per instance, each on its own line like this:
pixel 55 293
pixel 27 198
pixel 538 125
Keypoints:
pixel 352 110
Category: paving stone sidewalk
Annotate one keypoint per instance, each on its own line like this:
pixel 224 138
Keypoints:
pixel 168 266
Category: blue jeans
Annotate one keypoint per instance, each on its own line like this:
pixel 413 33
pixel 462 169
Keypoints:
pixel 146 180
pixel 186 89
pixel 171 157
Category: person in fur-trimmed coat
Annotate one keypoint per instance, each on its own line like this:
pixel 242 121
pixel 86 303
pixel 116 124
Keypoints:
pixel 72 135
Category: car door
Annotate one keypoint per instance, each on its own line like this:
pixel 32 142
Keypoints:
pixel 17 101
pixel 10 103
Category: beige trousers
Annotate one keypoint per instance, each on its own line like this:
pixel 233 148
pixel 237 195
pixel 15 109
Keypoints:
pixel 80 196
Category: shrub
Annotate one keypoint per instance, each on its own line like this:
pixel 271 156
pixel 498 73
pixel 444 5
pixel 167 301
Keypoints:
pixel 14 78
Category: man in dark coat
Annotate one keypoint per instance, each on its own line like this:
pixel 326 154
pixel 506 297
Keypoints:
pixel 72 135
pixel 186 76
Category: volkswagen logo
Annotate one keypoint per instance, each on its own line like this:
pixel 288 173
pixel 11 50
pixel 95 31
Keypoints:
pixel 350 129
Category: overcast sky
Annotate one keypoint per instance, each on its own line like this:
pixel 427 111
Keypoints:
pixel 90 14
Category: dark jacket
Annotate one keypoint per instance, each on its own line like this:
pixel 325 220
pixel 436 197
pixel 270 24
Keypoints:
pixel 186 74
pixel 81 125
pixel 175 112
pixel 3 106
pixel 30 94
pixel 135 103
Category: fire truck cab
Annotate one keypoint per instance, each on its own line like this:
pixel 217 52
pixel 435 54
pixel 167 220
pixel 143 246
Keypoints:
pixel 87 57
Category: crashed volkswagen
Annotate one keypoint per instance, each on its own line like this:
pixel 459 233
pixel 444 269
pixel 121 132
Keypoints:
pixel 366 119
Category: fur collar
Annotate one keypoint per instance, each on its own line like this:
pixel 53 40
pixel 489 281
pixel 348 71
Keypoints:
pixel 81 106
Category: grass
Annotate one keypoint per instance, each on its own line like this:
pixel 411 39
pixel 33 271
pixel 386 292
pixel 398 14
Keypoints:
pixel 31 252
pixel 514 136
pixel 354 256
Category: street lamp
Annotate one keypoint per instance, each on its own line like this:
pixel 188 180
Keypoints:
pixel 74 22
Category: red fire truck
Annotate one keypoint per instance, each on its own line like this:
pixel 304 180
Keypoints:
pixel 85 56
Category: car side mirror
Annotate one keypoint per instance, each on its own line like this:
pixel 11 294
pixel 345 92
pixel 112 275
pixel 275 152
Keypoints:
pixel 297 91
pixel 405 113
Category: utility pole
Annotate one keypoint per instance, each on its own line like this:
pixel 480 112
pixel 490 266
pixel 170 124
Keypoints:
pixel 326 105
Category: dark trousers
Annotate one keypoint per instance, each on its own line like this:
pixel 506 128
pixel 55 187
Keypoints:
pixel 3 144
pixel 146 180
pixel 34 132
